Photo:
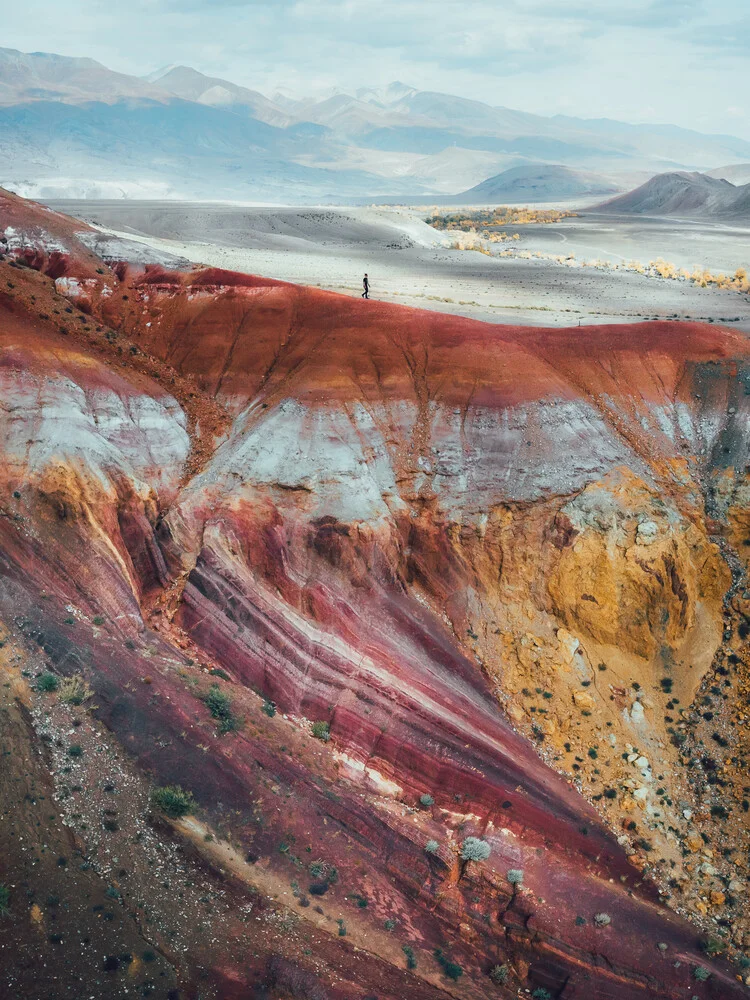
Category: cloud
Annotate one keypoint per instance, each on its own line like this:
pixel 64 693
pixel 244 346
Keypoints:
pixel 594 58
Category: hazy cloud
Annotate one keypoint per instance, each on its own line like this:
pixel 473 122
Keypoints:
pixel 659 60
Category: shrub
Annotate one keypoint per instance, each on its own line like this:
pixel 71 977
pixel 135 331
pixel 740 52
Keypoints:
pixel 411 962
pixel 218 672
pixel 389 925
pixel 269 708
pixel 431 847
pixel 74 690
pixel 47 682
pixel 602 919
pixel 173 801
pixel 4 900
pixel 426 800
pixel 500 974
pixel 98 620
pixel 712 946
pixel 451 970
pixel 474 849
pixel 541 994
pixel 219 705
pixel 515 876
pixel 701 974
pixel 321 731
pixel 76 750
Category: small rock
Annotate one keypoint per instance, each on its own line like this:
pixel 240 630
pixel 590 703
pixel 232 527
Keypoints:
pixel 646 532
pixel 636 712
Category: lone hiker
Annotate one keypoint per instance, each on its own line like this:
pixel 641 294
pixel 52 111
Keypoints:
pixel 366 286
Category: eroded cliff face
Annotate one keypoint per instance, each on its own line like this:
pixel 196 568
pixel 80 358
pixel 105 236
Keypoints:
pixel 504 566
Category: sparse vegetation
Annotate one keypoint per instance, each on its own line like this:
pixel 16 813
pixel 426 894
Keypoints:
pixel 712 946
pixel 321 731
pixel 500 974
pixel 541 994
pixel 451 970
pixel 74 690
pixel 474 849
pixel 4 900
pixel 76 750
pixel 173 801
pixel 219 705
pixel 411 962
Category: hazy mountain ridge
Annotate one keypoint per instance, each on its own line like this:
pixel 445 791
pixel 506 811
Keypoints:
pixel 72 126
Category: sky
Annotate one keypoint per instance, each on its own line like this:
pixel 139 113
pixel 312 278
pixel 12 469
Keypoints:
pixel 686 62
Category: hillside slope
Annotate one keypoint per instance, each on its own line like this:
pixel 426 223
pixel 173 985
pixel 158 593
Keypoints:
pixel 234 508
pixel 685 195
pixel 538 184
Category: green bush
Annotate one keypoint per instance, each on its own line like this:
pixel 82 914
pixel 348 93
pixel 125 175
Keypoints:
pixel 411 962
pixel 474 849
pixel 269 708
pixel 541 994
pixel 500 974
pixel 76 750
pixel 219 705
pixel 4 900
pixel 431 847
pixel 712 946
pixel 701 974
pixel 173 801
pixel 321 731
pixel 515 876
pixel 451 970
pixel 47 682
pixel 426 800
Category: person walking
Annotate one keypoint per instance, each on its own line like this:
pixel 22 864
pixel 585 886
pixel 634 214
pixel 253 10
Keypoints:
pixel 366 286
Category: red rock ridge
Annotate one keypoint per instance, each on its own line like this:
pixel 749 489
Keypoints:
pixel 411 520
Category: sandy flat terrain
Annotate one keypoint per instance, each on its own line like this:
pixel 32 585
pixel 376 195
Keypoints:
pixel 409 263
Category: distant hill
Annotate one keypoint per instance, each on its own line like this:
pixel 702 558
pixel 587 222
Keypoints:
pixel 686 195
pixel 538 183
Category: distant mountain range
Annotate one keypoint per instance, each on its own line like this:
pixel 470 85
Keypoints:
pixel 73 128
pixel 685 195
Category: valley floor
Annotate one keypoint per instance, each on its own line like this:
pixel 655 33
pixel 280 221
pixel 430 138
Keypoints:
pixel 410 263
